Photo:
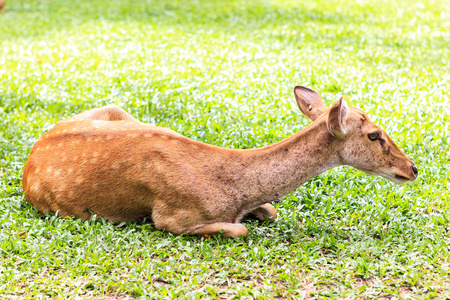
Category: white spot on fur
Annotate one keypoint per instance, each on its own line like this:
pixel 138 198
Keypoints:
pixel 36 187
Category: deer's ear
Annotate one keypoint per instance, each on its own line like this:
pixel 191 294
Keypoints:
pixel 337 119
pixel 309 102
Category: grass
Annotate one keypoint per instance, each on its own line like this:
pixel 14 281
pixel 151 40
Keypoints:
pixel 223 72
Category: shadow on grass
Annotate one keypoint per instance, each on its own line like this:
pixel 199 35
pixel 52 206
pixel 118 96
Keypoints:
pixel 271 233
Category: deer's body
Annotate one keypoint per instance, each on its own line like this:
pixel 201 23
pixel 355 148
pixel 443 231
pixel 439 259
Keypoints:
pixel 105 162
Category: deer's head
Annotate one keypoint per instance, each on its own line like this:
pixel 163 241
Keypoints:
pixel 364 145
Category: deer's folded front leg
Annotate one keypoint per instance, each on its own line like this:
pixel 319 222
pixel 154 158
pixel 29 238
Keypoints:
pixel 265 211
pixel 229 229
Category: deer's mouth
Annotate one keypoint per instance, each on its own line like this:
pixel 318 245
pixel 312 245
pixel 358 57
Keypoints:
pixel 400 177
pixel 396 178
pixel 392 176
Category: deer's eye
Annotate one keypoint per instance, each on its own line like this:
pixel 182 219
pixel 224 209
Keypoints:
pixel 374 136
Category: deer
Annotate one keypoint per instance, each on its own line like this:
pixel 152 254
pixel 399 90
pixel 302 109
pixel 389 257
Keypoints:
pixel 104 162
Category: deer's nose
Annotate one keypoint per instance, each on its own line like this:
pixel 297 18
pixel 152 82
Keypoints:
pixel 414 169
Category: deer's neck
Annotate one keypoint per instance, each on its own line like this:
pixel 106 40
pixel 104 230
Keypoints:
pixel 274 171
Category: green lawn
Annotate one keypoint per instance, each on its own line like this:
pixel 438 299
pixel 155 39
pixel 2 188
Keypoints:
pixel 223 72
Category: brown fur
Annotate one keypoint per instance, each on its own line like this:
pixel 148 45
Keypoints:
pixel 125 170
pixel 2 6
